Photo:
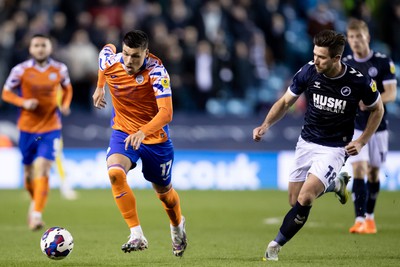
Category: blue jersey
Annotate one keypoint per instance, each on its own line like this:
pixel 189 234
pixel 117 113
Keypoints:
pixel 332 103
pixel 380 68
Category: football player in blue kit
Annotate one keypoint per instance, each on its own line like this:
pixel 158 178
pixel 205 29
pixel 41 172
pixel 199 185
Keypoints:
pixel 373 155
pixel 333 91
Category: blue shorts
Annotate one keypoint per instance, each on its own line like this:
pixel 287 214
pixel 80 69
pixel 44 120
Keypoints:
pixel 157 159
pixel 34 145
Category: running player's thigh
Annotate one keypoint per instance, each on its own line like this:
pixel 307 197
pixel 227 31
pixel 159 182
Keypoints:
pixel 378 148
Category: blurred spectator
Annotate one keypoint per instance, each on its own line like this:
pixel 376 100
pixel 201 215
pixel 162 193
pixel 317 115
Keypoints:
pixel 207 45
pixel 80 56
pixel 320 18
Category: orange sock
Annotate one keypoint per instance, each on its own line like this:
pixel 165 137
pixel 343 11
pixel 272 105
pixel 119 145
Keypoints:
pixel 170 201
pixel 29 186
pixel 40 192
pixel 123 196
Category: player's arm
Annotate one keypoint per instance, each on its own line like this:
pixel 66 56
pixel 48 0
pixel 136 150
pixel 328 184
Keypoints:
pixel 277 112
pixel 66 99
pixel 10 97
pixel 375 117
pixel 390 92
pixel 106 52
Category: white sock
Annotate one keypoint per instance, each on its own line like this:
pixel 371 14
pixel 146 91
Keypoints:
pixel 369 216
pixel 137 231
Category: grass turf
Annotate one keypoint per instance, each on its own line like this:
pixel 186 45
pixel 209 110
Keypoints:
pixel 225 228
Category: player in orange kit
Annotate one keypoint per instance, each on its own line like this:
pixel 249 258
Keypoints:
pixel 32 86
pixel 142 108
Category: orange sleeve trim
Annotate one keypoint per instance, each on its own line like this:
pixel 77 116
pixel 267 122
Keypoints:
pixel 163 117
pixel 12 98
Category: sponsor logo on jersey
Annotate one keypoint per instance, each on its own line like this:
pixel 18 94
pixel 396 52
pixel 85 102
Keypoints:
pixel 139 79
pixel 330 104
pixel 373 86
pixel 392 68
pixel 165 83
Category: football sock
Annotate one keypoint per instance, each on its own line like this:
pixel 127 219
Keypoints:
pixel 372 195
pixel 292 223
pixel 171 203
pixel 359 194
pixel 137 231
pixel 29 186
pixel 123 195
pixel 40 192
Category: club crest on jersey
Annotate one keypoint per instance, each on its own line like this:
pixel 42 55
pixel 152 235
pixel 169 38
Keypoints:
pixel 373 86
pixel 372 72
pixel 165 83
pixel 53 76
pixel 139 79
pixel 330 104
pixel 345 91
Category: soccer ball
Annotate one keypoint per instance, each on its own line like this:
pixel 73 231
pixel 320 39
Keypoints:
pixel 57 243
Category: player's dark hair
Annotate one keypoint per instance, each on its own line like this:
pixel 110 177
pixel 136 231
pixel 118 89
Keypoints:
pixel 40 35
pixel 136 39
pixel 334 41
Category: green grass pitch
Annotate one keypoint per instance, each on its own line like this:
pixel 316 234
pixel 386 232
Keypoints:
pixel 224 228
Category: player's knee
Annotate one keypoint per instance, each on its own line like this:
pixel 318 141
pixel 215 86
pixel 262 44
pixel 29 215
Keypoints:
pixel 169 198
pixel 117 176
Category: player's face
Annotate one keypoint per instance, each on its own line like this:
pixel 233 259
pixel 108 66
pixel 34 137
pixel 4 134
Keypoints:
pixel 133 58
pixel 40 49
pixel 322 60
pixel 358 41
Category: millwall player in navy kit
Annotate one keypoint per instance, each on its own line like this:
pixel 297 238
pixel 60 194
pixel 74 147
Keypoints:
pixel 333 91
pixel 367 163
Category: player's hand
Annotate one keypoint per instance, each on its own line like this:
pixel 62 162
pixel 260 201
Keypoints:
pixel 65 111
pixel 98 98
pixel 134 140
pixel 258 133
pixel 30 104
pixel 362 106
pixel 353 148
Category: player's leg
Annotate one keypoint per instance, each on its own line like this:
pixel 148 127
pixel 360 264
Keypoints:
pixel 65 188
pixel 119 162
pixel 157 168
pixel 126 201
pixel 40 192
pixel 296 217
pixel 359 165
pixel 378 148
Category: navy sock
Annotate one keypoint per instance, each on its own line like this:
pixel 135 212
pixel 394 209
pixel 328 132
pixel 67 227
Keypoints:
pixel 292 223
pixel 359 196
pixel 372 195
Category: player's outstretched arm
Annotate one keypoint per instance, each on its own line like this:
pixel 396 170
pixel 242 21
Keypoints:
pixel 277 112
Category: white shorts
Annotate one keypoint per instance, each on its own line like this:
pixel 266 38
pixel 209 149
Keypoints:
pixel 323 161
pixel 374 151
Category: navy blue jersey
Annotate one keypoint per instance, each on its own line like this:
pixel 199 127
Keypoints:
pixel 332 103
pixel 380 68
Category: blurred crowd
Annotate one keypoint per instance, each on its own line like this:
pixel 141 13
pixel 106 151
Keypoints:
pixel 223 56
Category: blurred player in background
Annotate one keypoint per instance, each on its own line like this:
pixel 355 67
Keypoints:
pixel 66 190
pixel 333 91
pixel 142 108
pixel 32 86
pixel 373 155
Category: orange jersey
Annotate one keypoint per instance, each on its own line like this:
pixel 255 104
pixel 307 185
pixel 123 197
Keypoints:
pixel 28 80
pixel 141 101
